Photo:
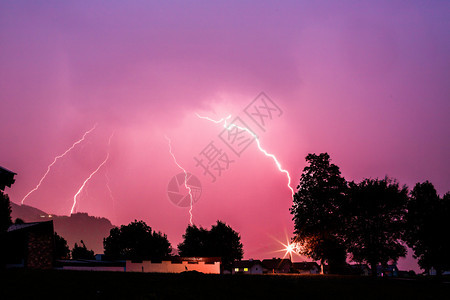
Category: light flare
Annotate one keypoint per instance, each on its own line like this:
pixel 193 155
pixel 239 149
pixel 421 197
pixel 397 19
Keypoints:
pixel 90 176
pixel 54 161
pixel 289 248
pixel 258 142
pixel 185 179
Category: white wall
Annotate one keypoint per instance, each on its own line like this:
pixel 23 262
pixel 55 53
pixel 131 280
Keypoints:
pixel 93 268
pixel 169 267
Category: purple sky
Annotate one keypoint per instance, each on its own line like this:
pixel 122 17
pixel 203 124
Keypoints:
pixel 367 83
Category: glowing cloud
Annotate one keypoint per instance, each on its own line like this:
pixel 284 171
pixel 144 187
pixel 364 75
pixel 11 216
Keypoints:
pixel 272 156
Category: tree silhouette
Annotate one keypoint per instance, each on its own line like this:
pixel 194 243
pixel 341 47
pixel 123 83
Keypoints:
pixel 427 226
pixel 81 252
pixel 5 212
pixel 221 241
pixel 375 221
pixel 317 211
pixel 5 222
pixel 19 221
pixel 62 250
pixel 195 243
pixel 136 241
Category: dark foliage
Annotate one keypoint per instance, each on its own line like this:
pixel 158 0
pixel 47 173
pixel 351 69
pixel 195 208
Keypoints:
pixel 62 250
pixel 5 212
pixel 375 221
pixel 136 241
pixel 428 226
pixel 19 221
pixel 318 211
pixel 221 241
pixel 81 252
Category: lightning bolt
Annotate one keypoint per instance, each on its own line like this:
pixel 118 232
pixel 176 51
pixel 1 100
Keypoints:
pixel 56 158
pixel 110 192
pixel 185 179
pixel 109 187
pixel 90 176
pixel 258 142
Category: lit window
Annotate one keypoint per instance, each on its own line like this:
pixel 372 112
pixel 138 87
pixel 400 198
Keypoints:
pixel 236 269
pixel 245 269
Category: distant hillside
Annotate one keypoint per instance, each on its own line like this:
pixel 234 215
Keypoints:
pixel 79 226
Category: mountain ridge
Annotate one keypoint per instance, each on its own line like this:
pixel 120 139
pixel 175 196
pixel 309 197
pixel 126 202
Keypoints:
pixel 73 228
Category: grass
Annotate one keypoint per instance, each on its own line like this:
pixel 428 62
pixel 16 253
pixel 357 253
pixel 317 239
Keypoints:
pixel 56 284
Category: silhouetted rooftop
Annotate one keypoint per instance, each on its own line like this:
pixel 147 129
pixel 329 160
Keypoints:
pixel 6 178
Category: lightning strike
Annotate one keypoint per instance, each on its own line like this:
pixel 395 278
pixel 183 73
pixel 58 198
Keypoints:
pixel 54 161
pixel 90 176
pixel 272 156
pixel 108 180
pixel 185 179
pixel 111 196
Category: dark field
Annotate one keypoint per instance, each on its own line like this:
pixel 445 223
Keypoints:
pixel 27 284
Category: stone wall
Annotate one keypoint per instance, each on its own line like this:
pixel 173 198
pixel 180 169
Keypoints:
pixel 40 250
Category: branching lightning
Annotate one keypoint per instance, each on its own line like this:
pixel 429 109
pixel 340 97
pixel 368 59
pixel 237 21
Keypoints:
pixel 185 179
pixel 90 176
pixel 272 156
pixel 56 158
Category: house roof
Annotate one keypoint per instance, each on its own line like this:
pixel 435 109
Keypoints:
pixel 359 266
pixel 276 263
pixel 305 265
pixel 6 178
pixel 4 170
pixel 246 263
pixel 30 226
pixel 15 227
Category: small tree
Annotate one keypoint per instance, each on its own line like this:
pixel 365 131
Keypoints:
pixel 225 243
pixel 19 221
pixel 318 211
pixel 62 250
pixel 81 252
pixel 136 241
pixel 427 220
pixel 375 222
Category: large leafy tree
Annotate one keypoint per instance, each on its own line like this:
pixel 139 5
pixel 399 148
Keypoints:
pixel 318 211
pixel 221 241
pixel 136 241
pixel 5 212
pixel 375 221
pixel 62 250
pixel 427 227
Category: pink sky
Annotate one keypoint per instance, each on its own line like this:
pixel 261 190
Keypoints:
pixel 367 83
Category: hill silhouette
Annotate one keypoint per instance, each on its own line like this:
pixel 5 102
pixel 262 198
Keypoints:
pixel 79 226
